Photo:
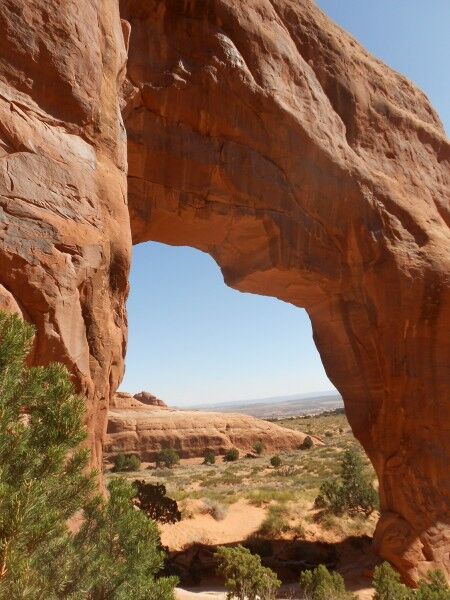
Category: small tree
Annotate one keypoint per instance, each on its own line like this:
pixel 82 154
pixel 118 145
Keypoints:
pixel 118 550
pixel 276 461
pixel 123 463
pixel 232 455
pixel 387 584
pixel 258 447
pixel 245 577
pixel 307 443
pixel 45 483
pixel 168 457
pixel 210 458
pixel 352 493
pixel 152 500
pixel 320 584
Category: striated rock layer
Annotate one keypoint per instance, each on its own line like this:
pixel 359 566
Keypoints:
pixel 261 133
pixel 145 430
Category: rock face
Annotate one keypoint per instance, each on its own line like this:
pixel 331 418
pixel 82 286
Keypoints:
pixel 146 429
pixel 64 225
pixel 263 134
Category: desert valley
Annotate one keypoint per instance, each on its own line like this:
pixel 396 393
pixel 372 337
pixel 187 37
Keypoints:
pixel 269 509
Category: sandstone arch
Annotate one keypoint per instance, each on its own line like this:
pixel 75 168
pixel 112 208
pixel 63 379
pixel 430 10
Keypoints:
pixel 266 136
pixel 263 134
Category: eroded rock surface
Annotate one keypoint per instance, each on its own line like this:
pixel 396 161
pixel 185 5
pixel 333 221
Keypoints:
pixel 64 226
pixel 124 400
pixel 143 429
pixel 263 134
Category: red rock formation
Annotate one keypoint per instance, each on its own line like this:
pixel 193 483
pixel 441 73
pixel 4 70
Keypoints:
pixel 149 399
pixel 263 134
pixel 64 225
pixel 145 430
pixel 143 400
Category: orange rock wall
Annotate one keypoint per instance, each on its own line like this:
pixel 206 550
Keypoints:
pixel 263 134
pixel 64 225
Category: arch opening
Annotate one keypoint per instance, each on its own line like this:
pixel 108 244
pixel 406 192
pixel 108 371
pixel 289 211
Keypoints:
pixel 194 341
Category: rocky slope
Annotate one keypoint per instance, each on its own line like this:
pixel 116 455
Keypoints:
pixel 134 427
pixel 261 133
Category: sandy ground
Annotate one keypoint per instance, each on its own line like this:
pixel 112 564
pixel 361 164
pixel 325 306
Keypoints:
pixel 286 592
pixel 240 522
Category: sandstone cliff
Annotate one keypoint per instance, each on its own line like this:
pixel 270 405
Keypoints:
pixel 141 429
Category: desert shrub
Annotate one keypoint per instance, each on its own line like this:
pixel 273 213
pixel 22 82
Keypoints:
pixel 152 500
pixel 434 588
pixel 276 461
pixel 258 447
pixel 45 482
pixel 352 492
pixel 126 462
pixel 275 523
pixel 307 443
pixel 209 458
pixel 320 584
pixel 168 457
pixel 287 471
pixel 387 585
pixel 386 582
pixel 232 455
pixel 245 577
pixel 299 530
pixel 262 496
pixel 228 478
pixel 215 509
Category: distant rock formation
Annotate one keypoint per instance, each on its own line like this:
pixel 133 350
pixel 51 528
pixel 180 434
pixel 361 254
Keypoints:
pixel 149 400
pixel 145 429
pixel 124 400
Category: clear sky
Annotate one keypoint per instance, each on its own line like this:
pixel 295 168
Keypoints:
pixel 193 340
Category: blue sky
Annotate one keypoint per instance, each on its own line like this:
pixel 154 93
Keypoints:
pixel 193 340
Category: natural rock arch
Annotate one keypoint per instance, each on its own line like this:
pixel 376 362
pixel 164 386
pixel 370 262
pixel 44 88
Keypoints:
pixel 266 136
pixel 261 133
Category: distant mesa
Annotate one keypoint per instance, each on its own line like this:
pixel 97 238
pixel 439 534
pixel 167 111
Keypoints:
pixel 142 424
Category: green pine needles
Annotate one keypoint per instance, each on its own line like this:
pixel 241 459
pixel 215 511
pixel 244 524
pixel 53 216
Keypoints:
pixel 45 484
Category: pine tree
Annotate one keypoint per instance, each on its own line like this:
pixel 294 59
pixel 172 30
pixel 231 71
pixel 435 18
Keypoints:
pixel 45 483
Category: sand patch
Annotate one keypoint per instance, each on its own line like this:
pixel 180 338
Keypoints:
pixel 241 521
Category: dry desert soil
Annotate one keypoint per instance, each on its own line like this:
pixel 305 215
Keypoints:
pixel 270 510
